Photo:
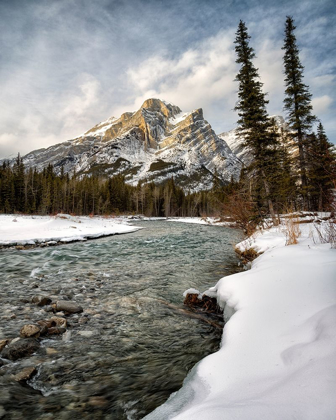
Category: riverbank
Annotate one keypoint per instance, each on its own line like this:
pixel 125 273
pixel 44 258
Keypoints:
pixel 278 352
pixel 31 231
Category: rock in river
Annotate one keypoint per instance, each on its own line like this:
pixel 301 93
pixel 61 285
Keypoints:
pixel 25 374
pixel 41 300
pixel 21 348
pixel 30 330
pixel 3 344
pixel 68 306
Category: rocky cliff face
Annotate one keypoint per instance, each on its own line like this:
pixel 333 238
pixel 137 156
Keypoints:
pixel 155 143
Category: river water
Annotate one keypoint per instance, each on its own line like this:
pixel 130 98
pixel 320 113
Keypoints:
pixel 134 343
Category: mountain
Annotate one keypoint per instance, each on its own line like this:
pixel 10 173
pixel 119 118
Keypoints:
pixel 155 143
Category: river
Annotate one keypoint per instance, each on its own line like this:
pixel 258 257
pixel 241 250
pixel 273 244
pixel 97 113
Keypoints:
pixel 129 349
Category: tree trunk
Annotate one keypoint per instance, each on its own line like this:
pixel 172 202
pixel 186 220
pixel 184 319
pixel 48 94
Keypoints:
pixel 269 201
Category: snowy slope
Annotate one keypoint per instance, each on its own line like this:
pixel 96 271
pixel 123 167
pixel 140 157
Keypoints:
pixel 278 353
pixel 155 143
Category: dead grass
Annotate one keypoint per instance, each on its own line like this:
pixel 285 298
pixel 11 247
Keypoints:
pixel 248 255
pixel 290 226
pixel 325 233
pixel 292 231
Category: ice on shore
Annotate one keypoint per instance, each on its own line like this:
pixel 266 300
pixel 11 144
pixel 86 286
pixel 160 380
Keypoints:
pixel 30 230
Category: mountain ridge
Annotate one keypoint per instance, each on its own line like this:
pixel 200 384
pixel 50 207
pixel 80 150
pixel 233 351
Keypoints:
pixel 154 143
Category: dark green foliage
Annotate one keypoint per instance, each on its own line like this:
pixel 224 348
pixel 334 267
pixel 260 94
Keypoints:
pixel 254 124
pixel 297 101
pixel 160 165
pixel 321 170
pixel 253 119
pixel 45 192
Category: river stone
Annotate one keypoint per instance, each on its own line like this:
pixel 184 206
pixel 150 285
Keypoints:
pixel 2 412
pixel 68 306
pixel 30 330
pixel 41 300
pixel 54 321
pixel 66 336
pixel 25 374
pixel 56 330
pixel 58 321
pixel 3 344
pixel 86 333
pixel 21 348
pixel 205 304
pixel 98 401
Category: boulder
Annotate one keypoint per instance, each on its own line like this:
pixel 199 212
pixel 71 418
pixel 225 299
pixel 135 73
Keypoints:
pixel 205 304
pixel 25 374
pixel 54 321
pixel 67 306
pixel 57 321
pixel 21 348
pixel 56 330
pixel 30 330
pixel 3 344
pixel 98 401
pixel 41 300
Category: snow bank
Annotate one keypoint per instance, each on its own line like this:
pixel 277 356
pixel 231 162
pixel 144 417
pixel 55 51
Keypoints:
pixel 278 352
pixel 201 221
pixel 31 230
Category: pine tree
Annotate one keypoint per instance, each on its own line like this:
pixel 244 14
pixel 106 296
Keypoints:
pixel 253 123
pixel 321 169
pixel 297 101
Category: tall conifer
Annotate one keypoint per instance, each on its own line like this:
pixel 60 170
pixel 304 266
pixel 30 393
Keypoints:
pixel 253 123
pixel 297 101
pixel 321 171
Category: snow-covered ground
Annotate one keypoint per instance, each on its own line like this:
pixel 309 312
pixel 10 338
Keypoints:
pixel 31 230
pixel 201 221
pixel 278 353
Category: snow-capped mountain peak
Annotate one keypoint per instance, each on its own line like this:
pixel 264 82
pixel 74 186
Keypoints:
pixel 154 143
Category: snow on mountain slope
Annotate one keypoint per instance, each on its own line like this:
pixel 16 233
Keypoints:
pixel 155 143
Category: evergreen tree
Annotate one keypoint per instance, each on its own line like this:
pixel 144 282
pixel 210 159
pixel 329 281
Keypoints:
pixel 321 169
pixel 297 101
pixel 253 123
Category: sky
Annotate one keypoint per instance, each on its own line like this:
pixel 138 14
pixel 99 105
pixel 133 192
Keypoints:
pixel 66 65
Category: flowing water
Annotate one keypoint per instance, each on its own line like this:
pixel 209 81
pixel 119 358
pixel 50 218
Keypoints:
pixel 134 343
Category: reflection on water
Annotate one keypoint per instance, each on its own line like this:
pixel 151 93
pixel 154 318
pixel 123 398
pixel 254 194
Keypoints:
pixel 128 351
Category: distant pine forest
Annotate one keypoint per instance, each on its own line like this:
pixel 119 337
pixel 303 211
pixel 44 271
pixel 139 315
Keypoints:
pixel 32 192
pixel 28 191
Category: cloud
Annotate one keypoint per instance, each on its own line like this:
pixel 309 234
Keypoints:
pixel 203 76
pixel 321 104
pixel 198 77
pixel 77 106
pixel 59 117
pixel 324 81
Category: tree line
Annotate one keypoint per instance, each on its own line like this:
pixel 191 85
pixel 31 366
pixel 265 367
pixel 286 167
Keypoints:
pixel 45 192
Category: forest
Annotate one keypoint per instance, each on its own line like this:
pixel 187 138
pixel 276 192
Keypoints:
pixel 33 192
